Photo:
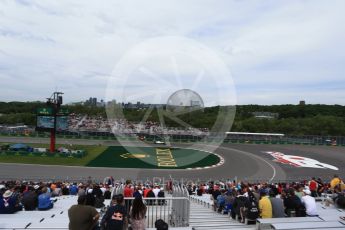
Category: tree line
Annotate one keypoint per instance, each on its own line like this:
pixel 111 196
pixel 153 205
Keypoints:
pixel 315 119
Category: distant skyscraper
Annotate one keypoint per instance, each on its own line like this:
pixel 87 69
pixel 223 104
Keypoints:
pixel 94 101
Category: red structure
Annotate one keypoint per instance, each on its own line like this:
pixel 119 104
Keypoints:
pixel 52 141
pixel 55 101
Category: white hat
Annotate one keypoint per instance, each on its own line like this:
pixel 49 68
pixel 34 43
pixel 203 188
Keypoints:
pixel 2 186
pixel 36 187
pixel 7 194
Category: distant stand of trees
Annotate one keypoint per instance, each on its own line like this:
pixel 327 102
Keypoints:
pixel 293 119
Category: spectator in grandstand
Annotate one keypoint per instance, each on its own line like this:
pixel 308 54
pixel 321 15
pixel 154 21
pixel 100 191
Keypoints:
pixel 161 225
pixel 335 181
pixel 82 216
pixel 110 181
pixel 320 187
pixel 128 192
pixel 313 186
pixel 256 192
pixel 200 190
pixel 277 205
pixel 98 195
pixel 107 193
pixel 30 199
pixel 338 197
pixel 221 201
pixel 65 189
pixel 161 195
pixel 81 189
pixel 150 194
pixel 115 217
pixel 9 203
pixel 239 206
pixel 57 191
pixel 170 186
pixel 229 200
pixel 52 187
pixel 156 190
pixel 214 194
pixel 265 205
pixel 299 191
pixel 293 204
pixel 137 214
pixel 137 192
pixel 73 189
pixel 44 202
pixel 90 199
pixel 251 207
pixel 309 202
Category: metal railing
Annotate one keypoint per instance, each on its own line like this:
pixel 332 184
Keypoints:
pixel 173 210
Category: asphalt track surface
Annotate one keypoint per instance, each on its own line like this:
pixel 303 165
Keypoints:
pixel 242 161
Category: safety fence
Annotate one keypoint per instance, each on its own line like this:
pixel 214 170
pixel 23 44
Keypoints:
pixel 173 209
pixel 190 138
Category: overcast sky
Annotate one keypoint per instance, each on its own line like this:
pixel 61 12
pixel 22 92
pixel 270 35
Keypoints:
pixel 266 52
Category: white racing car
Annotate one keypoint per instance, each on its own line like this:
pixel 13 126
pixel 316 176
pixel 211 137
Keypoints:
pixel 159 142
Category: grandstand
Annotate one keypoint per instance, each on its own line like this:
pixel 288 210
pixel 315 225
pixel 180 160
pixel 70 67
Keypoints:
pixel 183 209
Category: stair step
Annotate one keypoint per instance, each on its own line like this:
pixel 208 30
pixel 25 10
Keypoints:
pixel 207 224
pixel 202 217
pixel 212 217
pixel 226 227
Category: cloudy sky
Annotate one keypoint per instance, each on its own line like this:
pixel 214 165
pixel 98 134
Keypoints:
pixel 256 52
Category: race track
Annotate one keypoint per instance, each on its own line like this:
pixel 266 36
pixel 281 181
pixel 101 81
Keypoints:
pixel 242 161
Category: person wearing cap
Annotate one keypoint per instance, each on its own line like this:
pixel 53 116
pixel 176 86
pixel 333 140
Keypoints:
pixel 8 203
pixel 309 203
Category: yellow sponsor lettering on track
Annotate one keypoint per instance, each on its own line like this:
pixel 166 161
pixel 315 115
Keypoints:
pixel 165 158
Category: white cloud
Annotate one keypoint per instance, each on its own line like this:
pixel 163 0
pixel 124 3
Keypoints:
pixel 275 49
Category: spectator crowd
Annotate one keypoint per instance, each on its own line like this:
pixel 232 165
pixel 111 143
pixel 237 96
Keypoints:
pixel 245 201
pixel 90 212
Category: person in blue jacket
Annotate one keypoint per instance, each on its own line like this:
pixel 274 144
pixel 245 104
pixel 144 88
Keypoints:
pixel 44 202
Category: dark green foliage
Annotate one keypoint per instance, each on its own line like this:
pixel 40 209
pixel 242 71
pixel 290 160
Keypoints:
pixel 293 119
